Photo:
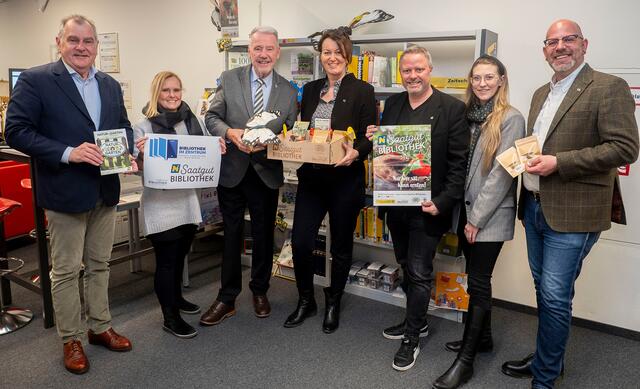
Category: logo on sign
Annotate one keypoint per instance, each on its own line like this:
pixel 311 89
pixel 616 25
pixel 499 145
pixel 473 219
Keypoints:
pixel 175 168
pixel 163 148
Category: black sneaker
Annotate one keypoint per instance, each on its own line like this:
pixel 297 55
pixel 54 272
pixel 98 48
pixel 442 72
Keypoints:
pixel 397 331
pixel 406 356
pixel 179 328
pixel 188 308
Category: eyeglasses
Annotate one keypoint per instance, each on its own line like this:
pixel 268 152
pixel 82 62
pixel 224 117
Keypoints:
pixel 567 40
pixel 488 78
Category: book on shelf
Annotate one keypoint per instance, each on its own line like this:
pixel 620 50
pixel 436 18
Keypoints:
pixel 398 74
pixel 380 71
pixel 371 227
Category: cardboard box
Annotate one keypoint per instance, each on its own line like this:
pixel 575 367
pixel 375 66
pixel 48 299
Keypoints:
pixel 305 151
pixel 390 274
pixel 374 269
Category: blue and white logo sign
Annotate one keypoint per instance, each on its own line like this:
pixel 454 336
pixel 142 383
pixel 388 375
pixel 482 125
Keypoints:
pixel 182 161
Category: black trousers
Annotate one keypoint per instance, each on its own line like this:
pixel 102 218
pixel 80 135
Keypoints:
pixel 414 250
pixel 481 259
pixel 340 192
pixel 262 202
pixel 171 247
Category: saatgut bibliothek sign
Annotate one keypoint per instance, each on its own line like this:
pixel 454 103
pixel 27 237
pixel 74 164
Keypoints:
pixel 181 161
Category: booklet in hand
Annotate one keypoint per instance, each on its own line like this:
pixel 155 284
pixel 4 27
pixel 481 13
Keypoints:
pixel 115 151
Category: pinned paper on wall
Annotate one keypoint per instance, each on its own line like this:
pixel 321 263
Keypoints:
pixel 109 52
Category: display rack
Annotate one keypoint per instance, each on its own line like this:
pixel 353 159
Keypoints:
pixel 452 52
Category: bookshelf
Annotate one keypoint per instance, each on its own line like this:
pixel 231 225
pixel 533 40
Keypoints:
pixel 452 52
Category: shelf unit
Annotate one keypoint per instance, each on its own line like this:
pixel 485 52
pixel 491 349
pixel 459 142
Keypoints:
pixel 453 52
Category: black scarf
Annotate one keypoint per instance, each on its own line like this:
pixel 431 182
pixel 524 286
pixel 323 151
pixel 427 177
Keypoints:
pixel 165 122
pixel 478 113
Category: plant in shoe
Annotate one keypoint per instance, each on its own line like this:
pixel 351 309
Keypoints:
pixel 406 356
pixel 397 331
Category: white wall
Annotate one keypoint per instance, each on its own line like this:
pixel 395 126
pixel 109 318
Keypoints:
pixel 163 34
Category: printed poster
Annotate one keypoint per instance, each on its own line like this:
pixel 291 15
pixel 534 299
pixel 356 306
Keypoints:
pixel 402 165
pixel 181 161
pixel 115 150
pixel 229 18
pixel 109 52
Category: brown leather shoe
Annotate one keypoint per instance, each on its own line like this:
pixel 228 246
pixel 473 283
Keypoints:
pixel 110 339
pixel 217 313
pixel 74 358
pixel 261 306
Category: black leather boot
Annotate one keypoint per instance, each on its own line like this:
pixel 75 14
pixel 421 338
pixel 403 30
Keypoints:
pixel 486 340
pixel 174 324
pixel 461 370
pixel 306 308
pixel 331 311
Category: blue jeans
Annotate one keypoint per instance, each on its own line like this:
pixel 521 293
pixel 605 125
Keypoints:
pixel 555 259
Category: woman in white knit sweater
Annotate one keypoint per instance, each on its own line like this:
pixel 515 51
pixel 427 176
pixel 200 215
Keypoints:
pixel 171 217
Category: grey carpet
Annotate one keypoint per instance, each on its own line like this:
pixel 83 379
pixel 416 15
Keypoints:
pixel 247 352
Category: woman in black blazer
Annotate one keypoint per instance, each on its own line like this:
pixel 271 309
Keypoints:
pixel 338 189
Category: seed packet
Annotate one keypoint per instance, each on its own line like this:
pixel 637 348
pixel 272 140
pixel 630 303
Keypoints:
pixel 510 161
pixel 528 148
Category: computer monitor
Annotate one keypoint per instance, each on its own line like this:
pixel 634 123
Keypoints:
pixel 14 73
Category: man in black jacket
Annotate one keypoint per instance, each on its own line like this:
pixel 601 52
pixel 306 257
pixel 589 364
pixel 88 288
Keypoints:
pixel 416 231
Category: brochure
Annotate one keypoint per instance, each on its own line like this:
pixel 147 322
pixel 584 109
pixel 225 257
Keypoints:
pixel 115 150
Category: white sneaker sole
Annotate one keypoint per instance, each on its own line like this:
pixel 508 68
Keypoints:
pixel 398 337
pixel 181 336
pixel 409 366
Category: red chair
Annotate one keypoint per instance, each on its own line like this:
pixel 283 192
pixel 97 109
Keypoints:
pixel 11 318
pixel 26 184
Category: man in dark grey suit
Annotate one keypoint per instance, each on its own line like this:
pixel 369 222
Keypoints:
pixel 247 177
pixel 584 121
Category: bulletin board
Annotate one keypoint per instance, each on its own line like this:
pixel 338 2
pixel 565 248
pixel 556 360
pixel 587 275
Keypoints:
pixel 629 175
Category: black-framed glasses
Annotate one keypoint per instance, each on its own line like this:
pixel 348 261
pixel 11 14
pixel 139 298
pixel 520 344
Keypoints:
pixel 567 40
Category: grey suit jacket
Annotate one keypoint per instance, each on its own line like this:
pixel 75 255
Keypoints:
pixel 593 132
pixel 232 107
pixel 490 198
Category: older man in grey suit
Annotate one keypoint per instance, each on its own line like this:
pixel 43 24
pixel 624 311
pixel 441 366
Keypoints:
pixel 247 177
pixel 585 122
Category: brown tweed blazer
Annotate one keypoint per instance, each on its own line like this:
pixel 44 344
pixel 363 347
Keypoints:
pixel 593 132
